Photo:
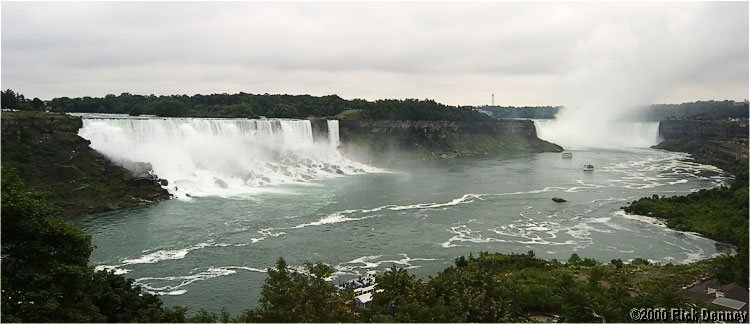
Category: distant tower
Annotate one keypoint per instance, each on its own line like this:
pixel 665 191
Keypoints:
pixel 493 99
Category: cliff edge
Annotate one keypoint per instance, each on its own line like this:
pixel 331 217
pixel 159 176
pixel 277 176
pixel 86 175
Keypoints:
pixel 721 143
pixel 49 156
pixel 423 140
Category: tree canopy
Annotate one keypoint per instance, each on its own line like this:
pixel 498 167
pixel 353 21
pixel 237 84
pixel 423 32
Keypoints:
pixel 9 99
pixel 248 105
pixel 45 271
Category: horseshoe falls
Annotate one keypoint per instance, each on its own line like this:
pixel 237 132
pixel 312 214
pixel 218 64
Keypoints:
pixel 222 157
pixel 598 135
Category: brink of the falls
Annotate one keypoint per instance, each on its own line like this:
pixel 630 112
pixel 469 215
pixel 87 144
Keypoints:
pixel 221 157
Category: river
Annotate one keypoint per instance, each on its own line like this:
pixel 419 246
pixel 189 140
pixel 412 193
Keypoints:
pixel 209 249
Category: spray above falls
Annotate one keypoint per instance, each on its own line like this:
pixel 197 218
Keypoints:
pixel 222 157
pixel 587 133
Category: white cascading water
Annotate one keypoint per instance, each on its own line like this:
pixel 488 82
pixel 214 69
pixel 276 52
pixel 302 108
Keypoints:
pixel 333 134
pixel 598 134
pixel 221 157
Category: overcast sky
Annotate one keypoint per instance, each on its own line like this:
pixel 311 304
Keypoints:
pixel 456 53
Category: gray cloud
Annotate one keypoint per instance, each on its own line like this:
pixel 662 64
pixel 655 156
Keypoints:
pixel 457 53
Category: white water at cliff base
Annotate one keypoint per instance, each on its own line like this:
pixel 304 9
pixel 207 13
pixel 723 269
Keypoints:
pixel 597 134
pixel 221 157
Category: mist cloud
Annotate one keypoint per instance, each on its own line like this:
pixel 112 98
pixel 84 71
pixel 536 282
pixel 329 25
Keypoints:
pixel 576 54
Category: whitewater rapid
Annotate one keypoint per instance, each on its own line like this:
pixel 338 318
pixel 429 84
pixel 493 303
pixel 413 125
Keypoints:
pixel 221 157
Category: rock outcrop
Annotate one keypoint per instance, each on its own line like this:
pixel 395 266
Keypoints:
pixel 49 156
pixel 422 140
pixel 319 127
pixel 703 129
pixel 721 143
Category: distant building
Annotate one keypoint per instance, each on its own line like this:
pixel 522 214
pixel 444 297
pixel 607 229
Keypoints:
pixel 483 111
pixel 728 297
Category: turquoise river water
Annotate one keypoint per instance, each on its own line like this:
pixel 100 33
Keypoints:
pixel 210 251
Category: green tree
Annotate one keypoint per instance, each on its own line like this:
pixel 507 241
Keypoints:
pixel 37 104
pixel 44 261
pixel 574 260
pixel 9 99
pixel 284 111
pixel 291 296
pixel 46 277
pixel 170 107
pixel 136 111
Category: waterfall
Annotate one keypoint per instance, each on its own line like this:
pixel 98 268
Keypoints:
pixel 333 133
pixel 600 135
pixel 221 157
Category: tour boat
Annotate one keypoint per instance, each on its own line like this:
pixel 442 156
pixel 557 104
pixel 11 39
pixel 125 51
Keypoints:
pixel 364 287
pixel 567 155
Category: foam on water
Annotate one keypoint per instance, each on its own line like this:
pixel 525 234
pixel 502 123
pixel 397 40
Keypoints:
pixel 172 285
pixel 164 255
pixel 330 219
pixel 464 234
pixel 641 218
pixel 221 157
pixel 356 266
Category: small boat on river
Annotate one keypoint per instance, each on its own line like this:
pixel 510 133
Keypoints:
pixel 363 287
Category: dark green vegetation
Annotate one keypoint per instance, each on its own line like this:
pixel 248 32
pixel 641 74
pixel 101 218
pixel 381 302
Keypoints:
pixel 490 288
pixel 544 112
pixel 511 288
pixel 248 105
pixel 720 214
pixel 49 156
pixel 291 296
pixel 45 271
pixel 16 101
pixel 705 110
pixel 698 110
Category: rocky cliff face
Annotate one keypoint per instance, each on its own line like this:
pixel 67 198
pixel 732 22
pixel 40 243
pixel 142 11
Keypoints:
pixel 703 129
pixel 51 158
pixel 423 140
pixel 507 127
pixel 720 143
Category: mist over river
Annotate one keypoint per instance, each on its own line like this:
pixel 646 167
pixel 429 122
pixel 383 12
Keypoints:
pixel 211 250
